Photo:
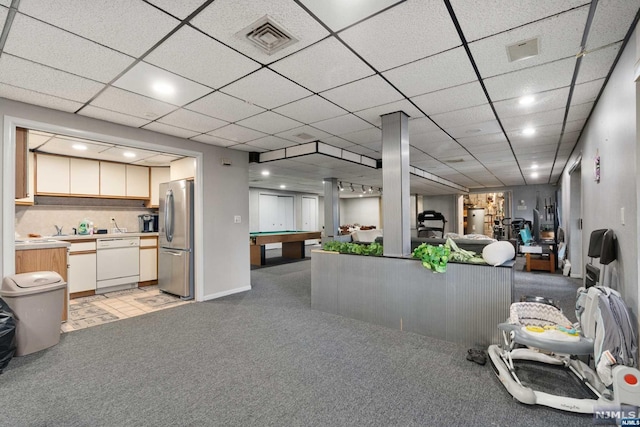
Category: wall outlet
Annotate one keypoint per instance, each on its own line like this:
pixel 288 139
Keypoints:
pixel 237 219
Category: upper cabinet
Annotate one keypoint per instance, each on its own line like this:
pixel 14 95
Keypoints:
pixel 137 181
pixel 113 179
pixel 158 176
pixel 52 175
pixel 183 169
pixel 84 177
pixel 22 164
pixel 70 176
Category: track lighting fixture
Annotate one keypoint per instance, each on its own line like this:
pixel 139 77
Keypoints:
pixel 351 188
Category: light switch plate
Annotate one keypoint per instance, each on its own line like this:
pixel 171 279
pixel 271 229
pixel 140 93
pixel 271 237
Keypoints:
pixel 237 219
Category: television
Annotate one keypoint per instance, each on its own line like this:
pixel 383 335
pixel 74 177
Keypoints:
pixel 535 226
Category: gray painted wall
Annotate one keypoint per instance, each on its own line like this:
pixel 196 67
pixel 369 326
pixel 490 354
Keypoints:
pixel 363 211
pixel 225 249
pixel 612 132
pixel 443 204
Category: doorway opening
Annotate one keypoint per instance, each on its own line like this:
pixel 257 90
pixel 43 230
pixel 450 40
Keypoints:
pixel 486 214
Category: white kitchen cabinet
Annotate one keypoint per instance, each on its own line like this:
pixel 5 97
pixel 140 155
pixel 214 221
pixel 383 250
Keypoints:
pixel 137 181
pixel 84 177
pixel 158 176
pixel 113 179
pixel 148 259
pixel 52 174
pixel 183 169
pixel 82 267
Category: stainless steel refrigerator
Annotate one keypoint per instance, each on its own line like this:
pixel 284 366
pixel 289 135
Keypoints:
pixel 175 256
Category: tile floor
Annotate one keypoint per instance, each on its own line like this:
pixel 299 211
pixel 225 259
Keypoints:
pixel 98 309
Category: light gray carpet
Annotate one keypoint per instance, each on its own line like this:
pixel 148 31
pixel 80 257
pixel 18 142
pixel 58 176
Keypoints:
pixel 258 358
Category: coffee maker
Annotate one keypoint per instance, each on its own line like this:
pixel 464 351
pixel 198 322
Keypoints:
pixel 148 223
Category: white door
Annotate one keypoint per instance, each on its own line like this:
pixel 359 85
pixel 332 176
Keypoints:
pixel 286 220
pixel 310 216
pixel 276 214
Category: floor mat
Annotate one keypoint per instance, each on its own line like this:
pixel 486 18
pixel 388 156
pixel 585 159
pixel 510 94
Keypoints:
pixel 85 310
pixel 157 300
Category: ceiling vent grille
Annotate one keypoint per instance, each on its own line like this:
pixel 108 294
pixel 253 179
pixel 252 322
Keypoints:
pixel 523 50
pixel 304 136
pixel 267 35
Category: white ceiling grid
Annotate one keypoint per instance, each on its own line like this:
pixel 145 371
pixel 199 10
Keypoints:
pixel 353 62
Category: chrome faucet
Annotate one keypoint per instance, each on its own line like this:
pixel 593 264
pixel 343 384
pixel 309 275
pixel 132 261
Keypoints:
pixel 58 230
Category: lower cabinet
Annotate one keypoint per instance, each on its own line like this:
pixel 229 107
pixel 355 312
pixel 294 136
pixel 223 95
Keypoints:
pixel 148 260
pixel 82 268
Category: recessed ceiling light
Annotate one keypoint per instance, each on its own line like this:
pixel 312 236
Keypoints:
pixel 163 88
pixel 283 186
pixel 360 195
pixel 526 100
pixel 534 175
pixel 265 173
pixel 129 154
pixel 534 166
pixel 81 147
pixel 528 131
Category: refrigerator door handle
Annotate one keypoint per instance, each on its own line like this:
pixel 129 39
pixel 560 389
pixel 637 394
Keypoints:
pixel 172 253
pixel 168 216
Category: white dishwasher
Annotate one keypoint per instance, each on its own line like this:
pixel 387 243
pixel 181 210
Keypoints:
pixel 117 263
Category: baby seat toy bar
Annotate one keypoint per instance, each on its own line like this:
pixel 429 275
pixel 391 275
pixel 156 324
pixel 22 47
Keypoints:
pixel 539 332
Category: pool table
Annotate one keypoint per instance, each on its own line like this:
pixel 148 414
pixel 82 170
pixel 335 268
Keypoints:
pixel 292 243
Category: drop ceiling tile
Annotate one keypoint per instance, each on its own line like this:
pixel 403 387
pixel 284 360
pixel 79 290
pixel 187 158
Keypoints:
pixel 143 77
pixel 310 109
pixel 205 61
pixel 372 115
pixel 436 72
pixel 570 137
pixel 482 19
pixel 426 139
pixel 222 19
pixel 491 126
pixel 179 9
pixel 64 146
pixel 158 160
pixel 477 114
pixel 611 22
pixel 322 66
pixel 224 107
pixel 534 120
pixel 213 140
pixel 586 92
pixel 133 29
pixel 375 146
pixel 554 75
pixel 5 3
pixel 421 125
pixel 121 101
pixel 37 98
pixel 237 133
pixel 337 14
pixel 497 149
pixel 400 39
pixel 364 136
pixel 362 94
pixel 269 123
pixel 116 154
pixel 196 122
pixel 270 143
pixel 266 89
pixel 303 134
pixel 38 78
pixel 558 37
pixel 479 140
pixel 574 125
pixel 543 101
pixel 343 124
pixel 453 98
pixel 247 147
pixel 541 132
pixel 597 64
pixel 170 130
pixel 579 111
pixel 42 43
pixel 112 116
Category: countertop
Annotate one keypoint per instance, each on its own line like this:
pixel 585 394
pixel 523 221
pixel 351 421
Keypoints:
pixel 49 242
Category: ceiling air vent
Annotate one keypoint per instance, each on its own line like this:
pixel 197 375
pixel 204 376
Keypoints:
pixel 454 161
pixel 522 50
pixel 267 35
pixel 304 136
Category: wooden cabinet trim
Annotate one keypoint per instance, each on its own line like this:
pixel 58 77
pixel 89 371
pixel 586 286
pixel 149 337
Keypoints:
pixel 81 253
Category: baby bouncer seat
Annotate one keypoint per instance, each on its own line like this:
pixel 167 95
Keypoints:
pixel 604 336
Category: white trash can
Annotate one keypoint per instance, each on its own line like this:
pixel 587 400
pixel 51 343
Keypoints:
pixel 37 300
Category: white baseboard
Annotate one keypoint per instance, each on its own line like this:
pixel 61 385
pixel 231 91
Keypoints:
pixel 225 293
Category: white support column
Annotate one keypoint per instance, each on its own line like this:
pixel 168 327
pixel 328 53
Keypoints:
pixel 331 208
pixel 395 181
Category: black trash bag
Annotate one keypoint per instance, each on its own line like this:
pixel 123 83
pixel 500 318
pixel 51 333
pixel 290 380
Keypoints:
pixel 7 335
